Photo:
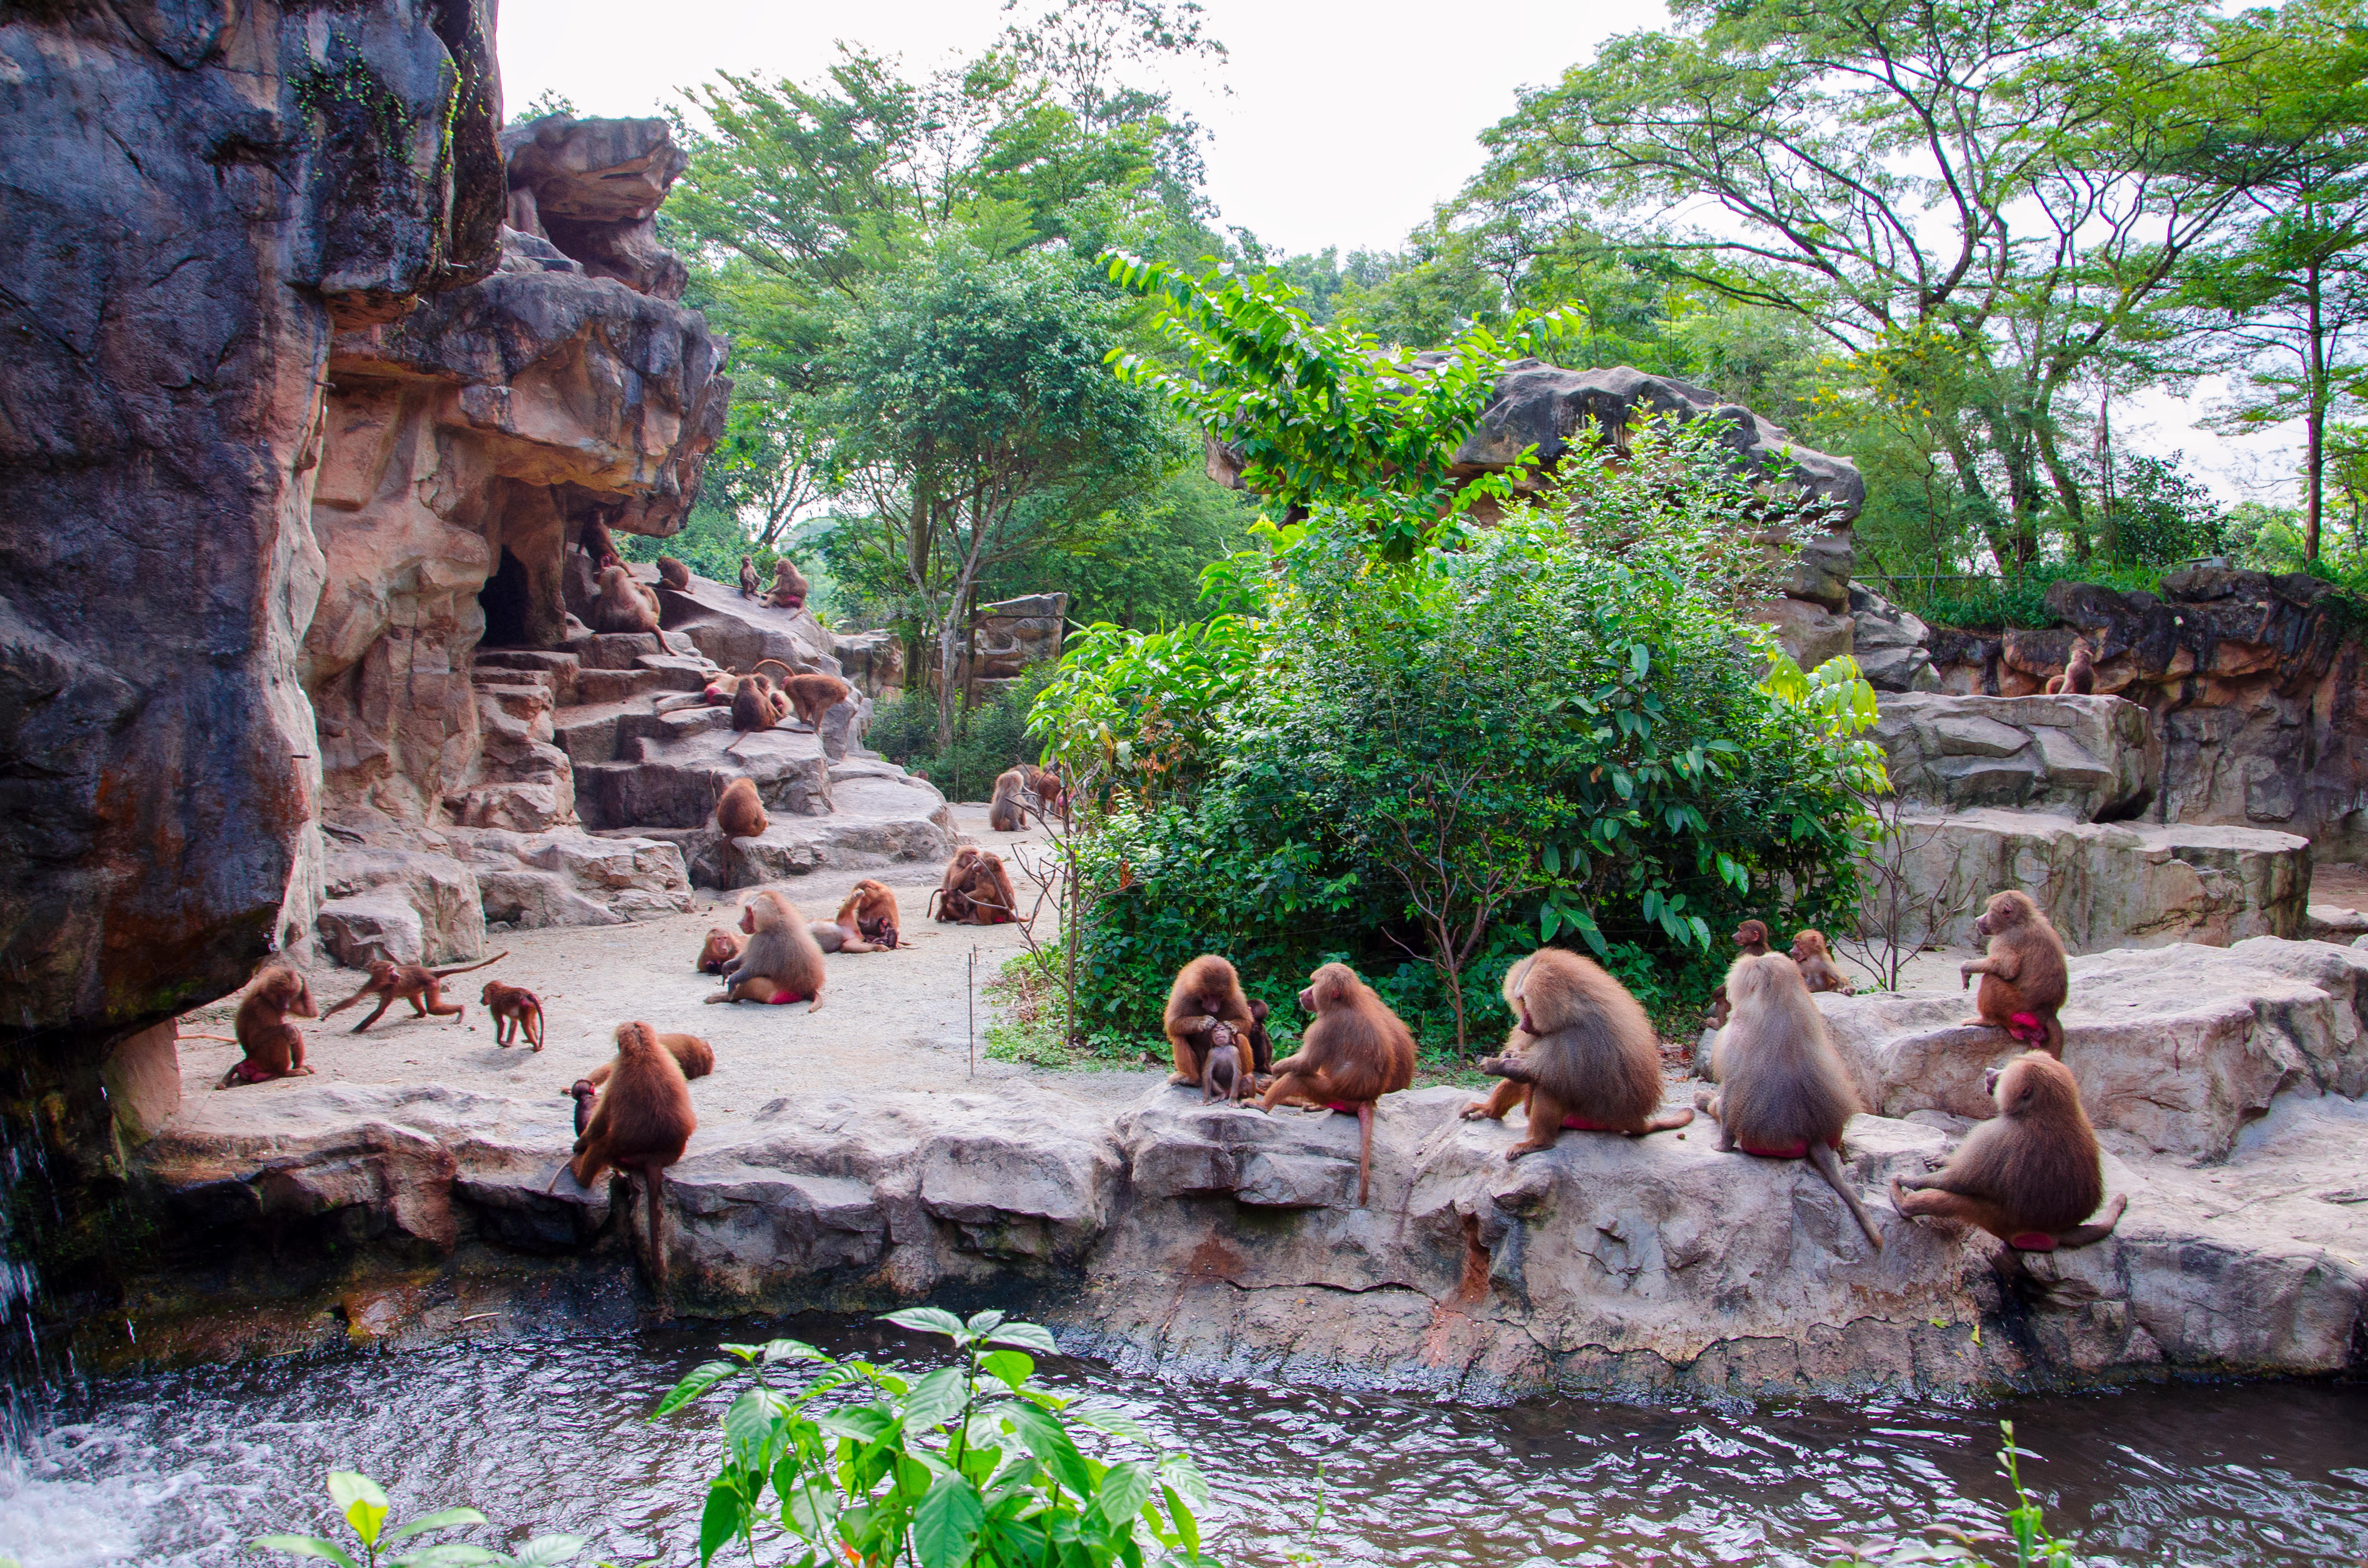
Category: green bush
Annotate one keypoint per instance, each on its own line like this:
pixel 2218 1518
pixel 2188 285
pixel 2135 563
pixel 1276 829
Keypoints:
pixel 989 736
pixel 1553 729
pixel 1997 604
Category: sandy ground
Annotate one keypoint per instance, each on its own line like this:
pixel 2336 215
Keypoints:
pixel 2346 887
pixel 904 1017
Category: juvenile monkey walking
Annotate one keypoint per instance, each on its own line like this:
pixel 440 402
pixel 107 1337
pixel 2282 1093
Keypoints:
pixel 1783 1093
pixel 421 987
pixel 515 1010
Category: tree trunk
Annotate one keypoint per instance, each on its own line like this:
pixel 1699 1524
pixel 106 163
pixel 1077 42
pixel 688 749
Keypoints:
pixel 2314 394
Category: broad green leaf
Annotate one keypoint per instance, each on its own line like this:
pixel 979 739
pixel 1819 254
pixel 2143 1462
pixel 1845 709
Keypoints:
pixel 749 1425
pixel 1045 1437
pixel 928 1320
pixel 947 1522
pixel 443 1519
pixel 864 1423
pixel 1176 1469
pixel 1105 1419
pixel 779 1350
pixel 1124 1490
pixel 358 1497
pixel 986 1322
pixel 720 1522
pixel 446 1554
pixel 545 1549
pixel 697 1381
pixel 1012 1367
pixel 306 1546
pixel 935 1400
pixel 1181 1518
pixel 1026 1336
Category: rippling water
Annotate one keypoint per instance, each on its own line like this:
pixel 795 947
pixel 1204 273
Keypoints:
pixel 181 1469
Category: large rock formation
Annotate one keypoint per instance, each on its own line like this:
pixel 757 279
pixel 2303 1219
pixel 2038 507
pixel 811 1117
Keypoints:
pixel 197 197
pixel 1217 1240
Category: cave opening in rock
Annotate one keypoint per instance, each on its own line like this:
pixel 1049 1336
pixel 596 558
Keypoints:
pixel 508 599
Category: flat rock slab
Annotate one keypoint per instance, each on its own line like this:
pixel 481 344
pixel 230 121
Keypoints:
pixel 2083 757
pixel 2104 884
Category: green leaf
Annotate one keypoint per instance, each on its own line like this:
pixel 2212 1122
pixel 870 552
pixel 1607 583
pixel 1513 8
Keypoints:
pixel 358 1497
pixel 1103 1418
pixel 446 1554
pixel 1012 1367
pixel 947 1522
pixel 545 1549
pixel 1181 1518
pixel 306 1546
pixel 1046 1439
pixel 721 1522
pixel 935 1400
pixel 697 1381
pixel 1026 1336
pixel 1124 1490
pixel 445 1519
pixel 928 1320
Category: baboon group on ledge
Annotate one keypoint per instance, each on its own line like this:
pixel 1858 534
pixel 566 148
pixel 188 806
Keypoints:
pixel 1583 1056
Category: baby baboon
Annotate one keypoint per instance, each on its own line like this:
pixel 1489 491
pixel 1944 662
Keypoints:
pixel 642 1123
pixel 515 1010
pixel 1261 1044
pixel 815 695
pixel 781 961
pixel 2023 978
pixel 789 586
pixel 753 706
pixel 1750 940
pixel 624 604
pixel 1783 1093
pixel 1223 1076
pixel 1816 961
pixel 274 1047
pixel 2079 676
pixel 1355 1052
pixel 1584 1055
pixel 721 948
pixel 1007 810
pixel 1207 995
pixel 739 812
pixel 423 988
pixel 867 921
pixel 674 573
pixel 749 581
pixel 2030 1175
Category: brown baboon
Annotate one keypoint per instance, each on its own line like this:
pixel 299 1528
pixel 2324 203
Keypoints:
pixel 1818 972
pixel 641 1124
pixel 423 988
pixel 952 897
pixel 624 604
pixel 515 1011
pixel 2030 1175
pixel 274 1047
pixel 749 582
pixel 2079 676
pixel 720 950
pixel 2024 982
pixel 1007 810
pixel 781 961
pixel 867 921
pixel 789 586
pixel 595 542
pixel 815 695
pixel 1261 1044
pixel 1355 1052
pixel 690 1052
pixel 1583 1055
pixel 1783 1093
pixel 674 573
pixel 1223 1076
pixel 753 707
pixel 1207 993
pixel 1750 940
pixel 739 811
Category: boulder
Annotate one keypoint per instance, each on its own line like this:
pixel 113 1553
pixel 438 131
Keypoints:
pixel 410 905
pixel 569 877
pixel 2103 885
pixel 2089 758
pixel 736 633
pixel 1892 647
pixel 873 661
pixel 591 188
pixel 1810 633
pixel 881 816
pixel 192 206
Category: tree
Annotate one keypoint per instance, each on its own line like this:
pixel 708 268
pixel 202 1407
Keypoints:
pixel 967 388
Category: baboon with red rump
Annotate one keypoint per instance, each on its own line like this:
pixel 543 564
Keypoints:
pixel 1783 1093
pixel 781 962
pixel 950 904
pixel 789 586
pixel 1354 1052
pixel 421 987
pixel 2029 1176
pixel 2025 981
pixel 1583 1055
pixel 1206 995
pixel 515 1011
pixel 640 1124
pixel 274 1047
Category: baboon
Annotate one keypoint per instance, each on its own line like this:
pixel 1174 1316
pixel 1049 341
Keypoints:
pixel 1783 1093
pixel 1222 1076
pixel 992 899
pixel 753 707
pixel 274 1047
pixel 2030 1175
pixel 1355 1052
pixel 1207 993
pixel 739 812
pixel 595 542
pixel 867 921
pixel 421 987
pixel 1261 1054
pixel 690 1052
pixel 2079 676
pixel 2023 978
pixel 952 897
pixel 789 586
pixel 515 1010
pixel 749 582
pixel 1007 810
pixel 1582 1054
pixel 642 1123
pixel 674 573
pixel 1816 960
pixel 815 695
pixel 781 961
pixel 720 950
pixel 624 604
pixel 1750 939
pixel 1051 789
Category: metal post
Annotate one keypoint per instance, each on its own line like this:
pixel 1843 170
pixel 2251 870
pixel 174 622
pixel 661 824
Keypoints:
pixel 973 1009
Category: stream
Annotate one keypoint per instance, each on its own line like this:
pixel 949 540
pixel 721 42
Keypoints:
pixel 182 1467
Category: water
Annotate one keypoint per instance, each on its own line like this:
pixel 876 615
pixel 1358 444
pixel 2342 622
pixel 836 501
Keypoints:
pixel 182 1467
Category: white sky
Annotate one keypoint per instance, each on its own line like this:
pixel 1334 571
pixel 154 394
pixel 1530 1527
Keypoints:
pixel 1345 125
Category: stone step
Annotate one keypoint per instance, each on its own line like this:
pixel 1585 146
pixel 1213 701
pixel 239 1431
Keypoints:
pixel 2091 758
pixel 621 650
pixel 654 783
pixel 516 698
pixel 616 686
pixel 588 731
pixel 555 669
pixel 676 672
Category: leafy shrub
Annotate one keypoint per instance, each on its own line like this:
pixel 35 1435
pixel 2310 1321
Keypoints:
pixel 1996 604
pixel 1550 728
pixel 989 736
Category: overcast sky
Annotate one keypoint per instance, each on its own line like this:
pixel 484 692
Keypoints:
pixel 1345 125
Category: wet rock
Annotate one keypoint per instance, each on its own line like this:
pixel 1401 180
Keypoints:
pixel 2103 885
pixel 191 207
pixel 142 1075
